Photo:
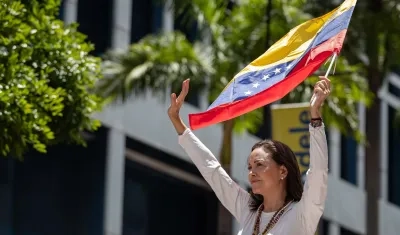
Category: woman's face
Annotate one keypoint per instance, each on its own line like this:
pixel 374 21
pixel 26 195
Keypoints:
pixel 264 172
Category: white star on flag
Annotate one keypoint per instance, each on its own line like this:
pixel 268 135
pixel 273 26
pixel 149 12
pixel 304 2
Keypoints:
pixel 255 85
pixel 265 77
pixel 247 93
pixel 277 70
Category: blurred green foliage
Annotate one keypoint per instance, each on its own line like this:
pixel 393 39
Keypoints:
pixel 46 73
pixel 230 36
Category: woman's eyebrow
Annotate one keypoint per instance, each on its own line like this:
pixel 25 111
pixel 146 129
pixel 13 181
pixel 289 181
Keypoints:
pixel 259 160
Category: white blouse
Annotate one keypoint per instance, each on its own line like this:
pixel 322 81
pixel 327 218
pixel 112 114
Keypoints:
pixel 300 218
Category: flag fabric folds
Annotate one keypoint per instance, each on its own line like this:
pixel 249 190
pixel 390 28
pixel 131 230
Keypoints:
pixel 281 68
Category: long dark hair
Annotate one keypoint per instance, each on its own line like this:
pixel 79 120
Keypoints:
pixel 282 155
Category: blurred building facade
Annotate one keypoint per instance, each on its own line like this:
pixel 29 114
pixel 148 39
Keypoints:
pixel 135 179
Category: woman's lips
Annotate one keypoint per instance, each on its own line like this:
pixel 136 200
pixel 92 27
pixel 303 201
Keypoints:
pixel 254 181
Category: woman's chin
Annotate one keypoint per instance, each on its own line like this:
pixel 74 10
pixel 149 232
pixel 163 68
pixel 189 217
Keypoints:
pixel 256 190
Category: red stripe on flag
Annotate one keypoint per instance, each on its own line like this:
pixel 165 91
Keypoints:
pixel 306 66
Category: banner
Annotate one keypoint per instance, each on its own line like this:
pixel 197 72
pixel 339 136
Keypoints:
pixel 290 124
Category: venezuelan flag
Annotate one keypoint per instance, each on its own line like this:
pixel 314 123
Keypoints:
pixel 281 68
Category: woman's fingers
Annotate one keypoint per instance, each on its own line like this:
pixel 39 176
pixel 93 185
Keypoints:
pixel 184 91
pixel 326 82
pixel 177 102
pixel 320 86
pixel 173 99
pixel 323 86
pixel 321 91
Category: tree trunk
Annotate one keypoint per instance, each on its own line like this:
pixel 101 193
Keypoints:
pixel 372 153
pixel 372 161
pixel 226 147
pixel 224 216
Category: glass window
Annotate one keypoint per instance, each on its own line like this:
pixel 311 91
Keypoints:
pixel 344 231
pixel 328 141
pixel 323 227
pixel 187 27
pixel 135 211
pixel 393 152
pixel 65 187
pixel 348 161
pixel 4 170
pixel 95 19
pixel 61 12
pixel 146 18
pixel 6 166
pixel 155 202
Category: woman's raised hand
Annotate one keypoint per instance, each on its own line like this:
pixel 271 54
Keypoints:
pixel 177 102
pixel 322 90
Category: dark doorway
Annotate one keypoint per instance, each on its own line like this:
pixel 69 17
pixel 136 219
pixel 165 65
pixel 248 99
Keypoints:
pixel 61 192
pixel 155 203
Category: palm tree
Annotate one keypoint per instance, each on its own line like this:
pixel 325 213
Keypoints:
pixel 236 34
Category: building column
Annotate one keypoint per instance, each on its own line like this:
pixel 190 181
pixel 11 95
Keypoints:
pixel 115 168
pixel 334 168
pixel 334 153
pixel 70 11
pixel 361 148
pixel 121 32
pixel 168 17
pixel 384 150
pixel 333 229
pixel 114 183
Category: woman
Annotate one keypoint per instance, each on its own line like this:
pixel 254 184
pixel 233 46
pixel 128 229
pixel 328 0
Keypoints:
pixel 277 204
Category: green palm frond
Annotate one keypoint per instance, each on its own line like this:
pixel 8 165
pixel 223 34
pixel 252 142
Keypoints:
pixel 206 14
pixel 156 63
pixel 235 36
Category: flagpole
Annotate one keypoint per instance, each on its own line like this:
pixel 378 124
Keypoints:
pixel 326 75
pixel 330 65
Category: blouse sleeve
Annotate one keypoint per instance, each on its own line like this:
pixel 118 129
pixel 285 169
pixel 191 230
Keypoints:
pixel 230 194
pixel 312 203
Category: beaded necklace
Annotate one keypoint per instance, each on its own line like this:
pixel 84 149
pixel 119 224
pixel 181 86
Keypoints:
pixel 274 220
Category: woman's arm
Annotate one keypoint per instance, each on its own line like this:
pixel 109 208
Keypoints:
pixel 312 203
pixel 230 194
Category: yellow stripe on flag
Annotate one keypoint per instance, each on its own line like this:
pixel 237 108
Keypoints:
pixel 296 41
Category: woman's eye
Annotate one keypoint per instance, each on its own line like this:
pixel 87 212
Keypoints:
pixel 249 168
pixel 259 164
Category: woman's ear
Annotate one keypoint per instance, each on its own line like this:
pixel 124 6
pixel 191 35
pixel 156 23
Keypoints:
pixel 283 172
